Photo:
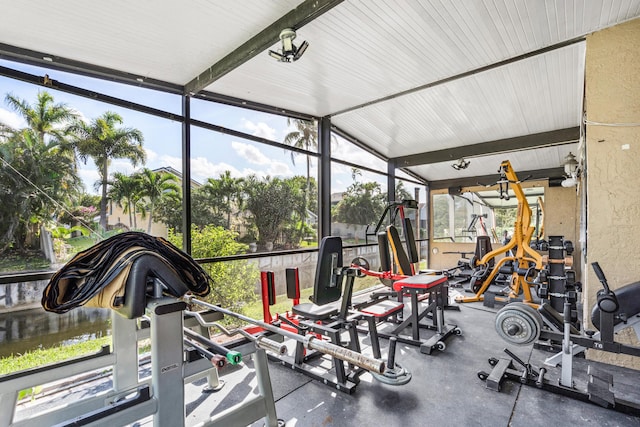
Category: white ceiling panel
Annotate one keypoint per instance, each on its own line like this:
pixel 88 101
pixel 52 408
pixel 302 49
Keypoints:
pixel 365 50
pixel 539 94
pixel 161 39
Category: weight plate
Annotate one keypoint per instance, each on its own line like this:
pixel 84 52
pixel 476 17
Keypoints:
pixel 361 262
pixel 518 323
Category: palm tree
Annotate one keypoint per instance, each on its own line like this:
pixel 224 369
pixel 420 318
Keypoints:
pixel 38 173
pixel 48 120
pixel 155 185
pixel 230 190
pixel 123 191
pixel 305 136
pixel 103 141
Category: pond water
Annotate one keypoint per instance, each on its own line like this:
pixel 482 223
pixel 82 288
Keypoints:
pixel 25 330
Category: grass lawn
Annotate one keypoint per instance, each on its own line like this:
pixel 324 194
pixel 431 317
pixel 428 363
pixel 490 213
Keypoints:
pixel 13 261
pixel 39 357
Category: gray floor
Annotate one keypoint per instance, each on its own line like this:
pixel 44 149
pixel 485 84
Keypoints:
pixel 444 389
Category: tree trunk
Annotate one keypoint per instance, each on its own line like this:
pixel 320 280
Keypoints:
pixel 9 235
pixel 103 200
pixel 150 217
pixel 135 217
pixel 130 213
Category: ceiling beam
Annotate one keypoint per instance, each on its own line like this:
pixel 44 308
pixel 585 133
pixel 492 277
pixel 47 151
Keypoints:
pixel 55 62
pixel 255 106
pixel 532 175
pixel 295 19
pixel 536 140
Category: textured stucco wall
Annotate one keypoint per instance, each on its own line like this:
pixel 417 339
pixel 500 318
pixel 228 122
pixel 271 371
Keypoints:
pixel 562 218
pixel 613 161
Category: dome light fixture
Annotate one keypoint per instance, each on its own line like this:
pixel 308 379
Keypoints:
pixel 289 52
pixel 461 164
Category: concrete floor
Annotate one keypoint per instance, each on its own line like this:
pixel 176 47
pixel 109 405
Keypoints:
pixel 444 390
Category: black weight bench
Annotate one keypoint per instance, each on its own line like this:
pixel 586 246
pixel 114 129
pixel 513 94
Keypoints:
pixel 628 298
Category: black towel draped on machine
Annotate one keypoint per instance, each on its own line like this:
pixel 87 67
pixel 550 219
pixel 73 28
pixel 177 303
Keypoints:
pixel 113 274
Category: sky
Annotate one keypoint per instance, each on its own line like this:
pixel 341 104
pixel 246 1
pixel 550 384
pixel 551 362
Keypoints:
pixel 212 153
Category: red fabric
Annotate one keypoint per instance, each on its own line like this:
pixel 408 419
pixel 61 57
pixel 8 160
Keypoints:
pixel 420 281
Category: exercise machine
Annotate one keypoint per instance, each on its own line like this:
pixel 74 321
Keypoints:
pixel 520 260
pixel 521 324
pixel 152 303
pixel 435 287
pixel 268 296
pixel 428 294
pixel 396 210
pixel 176 359
pixel 330 316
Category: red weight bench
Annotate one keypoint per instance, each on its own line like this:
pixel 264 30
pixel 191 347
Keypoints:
pixel 383 309
pixel 436 286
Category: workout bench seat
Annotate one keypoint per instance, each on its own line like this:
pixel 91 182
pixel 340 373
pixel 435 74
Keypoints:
pixel 383 309
pixel 437 288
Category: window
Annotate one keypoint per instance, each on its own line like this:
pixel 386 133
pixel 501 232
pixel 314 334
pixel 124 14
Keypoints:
pixel 266 196
pixel 52 185
pixel 358 199
pixel 460 218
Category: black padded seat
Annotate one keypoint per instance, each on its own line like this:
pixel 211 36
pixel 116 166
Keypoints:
pixel 629 299
pixel 483 247
pixel 327 287
pixel 315 312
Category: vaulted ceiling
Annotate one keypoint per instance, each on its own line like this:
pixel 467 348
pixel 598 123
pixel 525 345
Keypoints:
pixel 422 83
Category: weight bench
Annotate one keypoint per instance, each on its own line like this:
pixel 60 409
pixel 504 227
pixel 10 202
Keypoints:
pixel 437 288
pixel 627 315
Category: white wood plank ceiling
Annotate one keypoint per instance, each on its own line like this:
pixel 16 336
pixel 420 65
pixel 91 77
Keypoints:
pixel 405 77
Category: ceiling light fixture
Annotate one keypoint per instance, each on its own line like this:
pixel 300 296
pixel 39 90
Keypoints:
pixel 461 164
pixel 289 52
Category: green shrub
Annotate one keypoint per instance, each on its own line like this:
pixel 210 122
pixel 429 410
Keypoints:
pixel 234 281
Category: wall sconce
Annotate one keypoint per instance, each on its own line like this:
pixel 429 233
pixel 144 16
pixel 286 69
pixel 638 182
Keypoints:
pixel 570 170
pixel 289 52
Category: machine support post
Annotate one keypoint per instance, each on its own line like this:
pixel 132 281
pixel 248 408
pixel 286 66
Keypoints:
pixel 264 387
pixel 166 361
pixel 125 347
pixel 567 349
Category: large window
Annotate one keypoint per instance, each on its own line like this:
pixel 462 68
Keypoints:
pixel 75 170
pixel 266 196
pixel 462 217
pixel 358 199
